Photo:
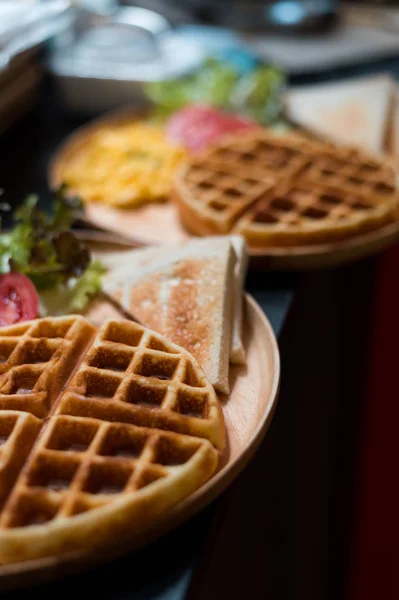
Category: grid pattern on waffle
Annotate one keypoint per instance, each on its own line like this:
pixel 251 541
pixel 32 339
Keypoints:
pixel 261 155
pixel 225 194
pixel 82 464
pixel 88 460
pixel 241 176
pixel 353 172
pixel 229 179
pixel 18 432
pixel 291 204
pixel 134 375
pixel 36 359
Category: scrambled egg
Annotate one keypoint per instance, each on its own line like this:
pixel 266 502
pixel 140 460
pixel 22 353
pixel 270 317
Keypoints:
pixel 123 165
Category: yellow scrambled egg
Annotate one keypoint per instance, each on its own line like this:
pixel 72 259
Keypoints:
pixel 123 165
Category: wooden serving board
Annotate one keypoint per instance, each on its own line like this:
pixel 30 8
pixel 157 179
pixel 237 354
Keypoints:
pixel 159 224
pixel 248 411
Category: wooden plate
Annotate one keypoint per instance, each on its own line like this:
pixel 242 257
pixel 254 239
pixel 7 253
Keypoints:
pixel 247 411
pixel 159 224
pixel 156 224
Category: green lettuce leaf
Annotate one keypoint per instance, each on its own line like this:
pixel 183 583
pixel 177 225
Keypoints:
pixel 211 84
pixel 73 296
pixel 256 94
pixel 259 95
pixel 45 249
pixel 41 245
pixel 86 286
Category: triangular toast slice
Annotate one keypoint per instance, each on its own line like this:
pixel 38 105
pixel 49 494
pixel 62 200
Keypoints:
pixel 141 258
pixel 393 129
pixel 237 351
pixel 186 292
pixel 354 112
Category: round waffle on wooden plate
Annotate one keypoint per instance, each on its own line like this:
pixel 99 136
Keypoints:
pixel 247 413
pixel 299 203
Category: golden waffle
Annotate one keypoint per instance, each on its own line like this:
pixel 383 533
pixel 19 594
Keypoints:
pixel 285 190
pixel 37 358
pixel 135 430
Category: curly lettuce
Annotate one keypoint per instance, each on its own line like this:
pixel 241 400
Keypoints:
pixel 256 93
pixel 43 247
pixel 74 295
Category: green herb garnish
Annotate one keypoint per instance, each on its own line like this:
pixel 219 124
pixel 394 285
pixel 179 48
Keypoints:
pixel 73 296
pixel 256 94
pixel 259 95
pixel 43 247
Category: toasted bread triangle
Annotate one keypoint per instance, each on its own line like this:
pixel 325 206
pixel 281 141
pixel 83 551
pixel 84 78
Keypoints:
pixel 393 130
pixel 188 293
pixel 237 351
pixel 355 111
pixel 141 257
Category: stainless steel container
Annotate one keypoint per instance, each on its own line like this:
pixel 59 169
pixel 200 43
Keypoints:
pixel 106 63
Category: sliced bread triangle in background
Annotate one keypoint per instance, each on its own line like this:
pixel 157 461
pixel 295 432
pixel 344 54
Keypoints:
pixel 354 112
pixel 185 292
pixel 393 133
